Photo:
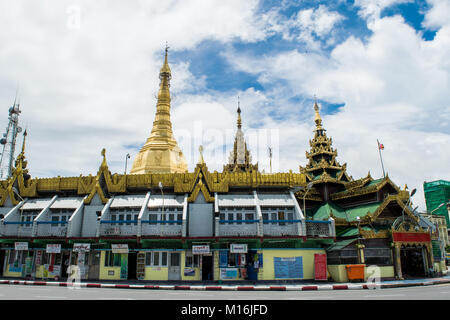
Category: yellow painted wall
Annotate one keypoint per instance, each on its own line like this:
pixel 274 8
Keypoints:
pixel 267 272
pixel 156 273
pixel 197 275
pixel 339 272
pixel 104 270
pixel 7 273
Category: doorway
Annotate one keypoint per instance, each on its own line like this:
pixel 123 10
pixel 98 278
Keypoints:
pixel 94 265
pixel 207 267
pixel 252 265
pixel 2 261
pixel 65 264
pixel 412 262
pixel 132 258
pixel 174 266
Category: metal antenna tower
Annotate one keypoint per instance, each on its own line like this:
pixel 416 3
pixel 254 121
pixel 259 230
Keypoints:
pixel 9 141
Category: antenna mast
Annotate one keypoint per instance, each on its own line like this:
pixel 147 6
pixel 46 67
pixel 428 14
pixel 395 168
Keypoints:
pixel 9 141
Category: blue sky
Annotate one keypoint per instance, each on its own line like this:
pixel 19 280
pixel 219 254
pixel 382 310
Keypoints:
pixel 88 75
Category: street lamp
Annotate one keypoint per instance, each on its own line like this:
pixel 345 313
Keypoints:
pixel 126 160
pixel 160 185
pixel 308 187
pixel 407 203
pixel 438 207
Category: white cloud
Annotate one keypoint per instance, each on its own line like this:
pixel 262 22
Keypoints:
pixel 371 9
pixel 438 15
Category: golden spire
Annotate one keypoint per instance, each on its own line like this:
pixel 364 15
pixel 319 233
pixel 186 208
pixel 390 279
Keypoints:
pixel 239 120
pixel 161 153
pixel 317 118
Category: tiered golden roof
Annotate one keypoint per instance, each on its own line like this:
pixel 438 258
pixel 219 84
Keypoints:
pixel 323 166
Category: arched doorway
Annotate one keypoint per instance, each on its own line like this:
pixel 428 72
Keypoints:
pixel 413 261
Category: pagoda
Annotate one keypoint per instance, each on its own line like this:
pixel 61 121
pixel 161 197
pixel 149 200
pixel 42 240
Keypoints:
pixel 160 153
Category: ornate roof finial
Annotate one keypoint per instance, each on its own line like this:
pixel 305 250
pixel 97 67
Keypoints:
pixel 317 118
pixel 165 70
pixel 200 149
pixel 239 120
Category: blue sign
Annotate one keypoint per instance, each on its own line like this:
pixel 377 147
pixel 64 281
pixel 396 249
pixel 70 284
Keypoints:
pixel 288 268
pixel 223 259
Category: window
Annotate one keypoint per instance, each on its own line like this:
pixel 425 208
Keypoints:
pixel 155 258
pixel 128 219
pixel 180 218
pixel 164 259
pixel 153 217
pixel 378 256
pixel 135 219
pixel 239 217
pixel 265 217
pixel 189 261
pixel 171 218
pixel 113 218
pixel 55 219
pixel 63 220
pixel 112 259
pixel 274 217
pixel 222 216
pixel 230 216
pixel 248 217
pixel 175 259
pixel 148 259
pixel 121 217
pixel 281 217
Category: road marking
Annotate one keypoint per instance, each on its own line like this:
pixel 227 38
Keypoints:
pixel 384 295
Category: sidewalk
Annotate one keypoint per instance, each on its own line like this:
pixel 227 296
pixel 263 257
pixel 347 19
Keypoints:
pixel 304 286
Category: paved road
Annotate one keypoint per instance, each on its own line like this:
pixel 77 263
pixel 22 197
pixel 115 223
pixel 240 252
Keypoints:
pixel 22 292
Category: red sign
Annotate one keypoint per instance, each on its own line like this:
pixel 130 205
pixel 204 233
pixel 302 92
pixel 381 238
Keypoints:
pixel 320 266
pixel 411 237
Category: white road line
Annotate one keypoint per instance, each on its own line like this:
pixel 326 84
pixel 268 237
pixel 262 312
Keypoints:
pixel 384 295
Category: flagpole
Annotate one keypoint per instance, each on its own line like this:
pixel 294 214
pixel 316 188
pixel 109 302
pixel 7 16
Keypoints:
pixel 381 159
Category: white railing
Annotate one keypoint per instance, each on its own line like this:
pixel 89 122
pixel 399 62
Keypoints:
pixel 238 229
pixel 281 229
pixel 115 229
pixel 153 229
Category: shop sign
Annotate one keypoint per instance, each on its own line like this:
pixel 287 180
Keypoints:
pixel 81 247
pixel 19 246
pixel 53 248
pixel 288 268
pixel 119 248
pixel 411 236
pixel 238 248
pixel 228 273
pixel 110 272
pixel 38 257
pixel 200 249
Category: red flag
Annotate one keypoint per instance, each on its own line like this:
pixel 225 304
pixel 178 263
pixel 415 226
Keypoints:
pixel 380 146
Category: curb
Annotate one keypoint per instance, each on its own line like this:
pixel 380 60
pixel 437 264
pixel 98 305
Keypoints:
pixel 223 288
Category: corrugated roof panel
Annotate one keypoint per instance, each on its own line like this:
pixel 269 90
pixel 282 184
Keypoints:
pixel 128 201
pixel 36 204
pixel 169 200
pixel 275 200
pixel 67 203
pixel 236 200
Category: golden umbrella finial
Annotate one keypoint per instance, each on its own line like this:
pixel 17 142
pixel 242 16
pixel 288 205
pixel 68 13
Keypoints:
pixel 200 149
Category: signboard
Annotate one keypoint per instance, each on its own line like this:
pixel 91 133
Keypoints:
pixel 38 257
pixel 223 259
pixel 200 249
pixel 320 266
pixel 53 248
pixel 411 236
pixel 190 272
pixel 119 248
pixel 19 246
pixel 288 268
pixel 228 273
pixel 238 248
pixel 81 247
pixel 110 272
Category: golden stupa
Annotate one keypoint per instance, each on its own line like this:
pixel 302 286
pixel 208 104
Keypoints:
pixel 160 153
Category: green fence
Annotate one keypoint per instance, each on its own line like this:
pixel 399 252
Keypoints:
pixel 436 193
